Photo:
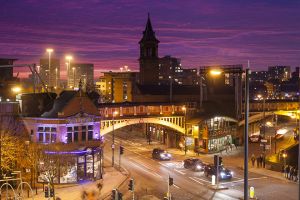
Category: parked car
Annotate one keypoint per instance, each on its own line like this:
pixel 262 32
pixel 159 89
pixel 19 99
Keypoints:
pixel 255 138
pixel 193 163
pixel 224 174
pixel 161 154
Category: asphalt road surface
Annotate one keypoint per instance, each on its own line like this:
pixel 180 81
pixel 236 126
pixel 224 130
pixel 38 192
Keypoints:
pixel 151 177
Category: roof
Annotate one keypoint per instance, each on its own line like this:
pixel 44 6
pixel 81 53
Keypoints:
pixel 165 89
pixel 59 103
pixel 148 33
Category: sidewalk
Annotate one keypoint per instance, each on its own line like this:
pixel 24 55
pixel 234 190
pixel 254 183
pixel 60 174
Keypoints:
pixel 111 179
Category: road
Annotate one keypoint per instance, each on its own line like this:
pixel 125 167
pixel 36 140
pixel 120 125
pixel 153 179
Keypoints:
pixel 151 178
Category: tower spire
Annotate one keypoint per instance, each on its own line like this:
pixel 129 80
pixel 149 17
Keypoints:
pixel 148 33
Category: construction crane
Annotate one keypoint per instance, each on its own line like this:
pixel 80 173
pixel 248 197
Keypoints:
pixel 32 68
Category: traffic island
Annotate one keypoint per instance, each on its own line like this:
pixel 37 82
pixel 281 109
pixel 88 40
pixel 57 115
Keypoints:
pixel 217 188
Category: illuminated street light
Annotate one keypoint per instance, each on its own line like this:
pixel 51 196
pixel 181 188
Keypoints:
pixel 215 72
pixel 49 51
pixel 68 58
pixel 185 142
pixel 113 138
pixel 16 89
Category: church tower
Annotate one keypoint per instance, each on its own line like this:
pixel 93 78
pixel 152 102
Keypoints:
pixel 149 56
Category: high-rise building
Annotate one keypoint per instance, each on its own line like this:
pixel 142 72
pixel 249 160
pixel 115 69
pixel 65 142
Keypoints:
pixel 50 72
pixel 281 73
pixel 149 60
pixel 116 86
pixel 83 72
pixel 6 72
pixel 169 70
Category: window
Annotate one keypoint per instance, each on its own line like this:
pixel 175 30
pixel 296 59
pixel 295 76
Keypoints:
pixel 47 137
pixel 69 129
pixel 90 135
pixel 90 127
pixel 75 136
pixel 69 137
pixel 41 137
pixel 53 138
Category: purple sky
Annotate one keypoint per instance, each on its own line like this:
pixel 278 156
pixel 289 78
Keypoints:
pixel 107 32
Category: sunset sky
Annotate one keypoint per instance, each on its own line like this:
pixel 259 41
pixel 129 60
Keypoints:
pixel 107 32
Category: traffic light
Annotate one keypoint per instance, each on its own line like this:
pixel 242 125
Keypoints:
pixel 113 194
pixel 121 150
pixel 220 160
pixel 216 160
pixel 171 181
pixel 46 192
pixel 51 192
pixel 120 196
pixel 131 185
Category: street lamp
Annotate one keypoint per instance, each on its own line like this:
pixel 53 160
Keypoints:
pixel 49 51
pixel 113 138
pixel 185 145
pixel 284 155
pixel 73 77
pixel 16 89
pixel 260 97
pixel 68 58
pixel 217 72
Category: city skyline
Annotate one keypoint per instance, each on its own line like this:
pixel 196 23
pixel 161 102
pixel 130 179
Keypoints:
pixel 107 34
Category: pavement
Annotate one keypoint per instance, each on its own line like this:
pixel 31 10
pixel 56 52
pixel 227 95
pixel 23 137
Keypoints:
pixel 111 179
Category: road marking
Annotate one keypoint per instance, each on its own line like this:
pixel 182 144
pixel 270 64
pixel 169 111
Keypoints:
pixel 196 181
pixel 241 180
pixel 202 179
pixel 152 173
pixel 163 164
pixel 179 172
pixel 176 186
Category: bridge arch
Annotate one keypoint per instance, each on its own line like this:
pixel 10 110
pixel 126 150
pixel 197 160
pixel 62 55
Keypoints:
pixel 174 122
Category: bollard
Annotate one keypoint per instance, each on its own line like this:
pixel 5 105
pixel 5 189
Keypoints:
pixel 251 192
pixel 213 180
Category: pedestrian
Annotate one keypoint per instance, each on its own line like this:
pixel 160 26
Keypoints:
pixel 264 161
pixel 296 174
pixel 287 171
pixel 253 160
pixel 291 173
pixel 257 162
pixel 261 160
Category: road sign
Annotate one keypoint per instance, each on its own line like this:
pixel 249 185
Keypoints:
pixel 263 141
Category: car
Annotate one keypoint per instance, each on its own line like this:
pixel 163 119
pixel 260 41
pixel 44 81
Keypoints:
pixel 161 154
pixel 255 138
pixel 224 174
pixel 193 163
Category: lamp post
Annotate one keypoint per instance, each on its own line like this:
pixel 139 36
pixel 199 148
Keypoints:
pixel 49 51
pixel 73 77
pixel 217 72
pixel 69 58
pixel 284 155
pixel 260 97
pixel 113 139
pixel 185 144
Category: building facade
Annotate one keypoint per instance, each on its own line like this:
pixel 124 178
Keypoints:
pixel 117 87
pixel 83 72
pixel 281 73
pixel 49 71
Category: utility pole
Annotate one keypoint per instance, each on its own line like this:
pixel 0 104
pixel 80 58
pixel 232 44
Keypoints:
pixel 248 72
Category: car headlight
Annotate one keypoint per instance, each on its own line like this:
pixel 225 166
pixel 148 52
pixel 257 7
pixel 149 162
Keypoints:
pixel 198 167
pixel 169 155
pixel 231 173
pixel 222 174
pixel 162 155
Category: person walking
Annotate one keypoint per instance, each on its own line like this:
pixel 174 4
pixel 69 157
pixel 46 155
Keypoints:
pixel 257 162
pixel 253 160
pixel 261 160
pixel 264 161
pixel 296 174
pixel 291 173
pixel 287 171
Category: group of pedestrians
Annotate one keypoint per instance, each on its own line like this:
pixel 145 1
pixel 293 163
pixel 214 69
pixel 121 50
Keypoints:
pixel 260 161
pixel 290 172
